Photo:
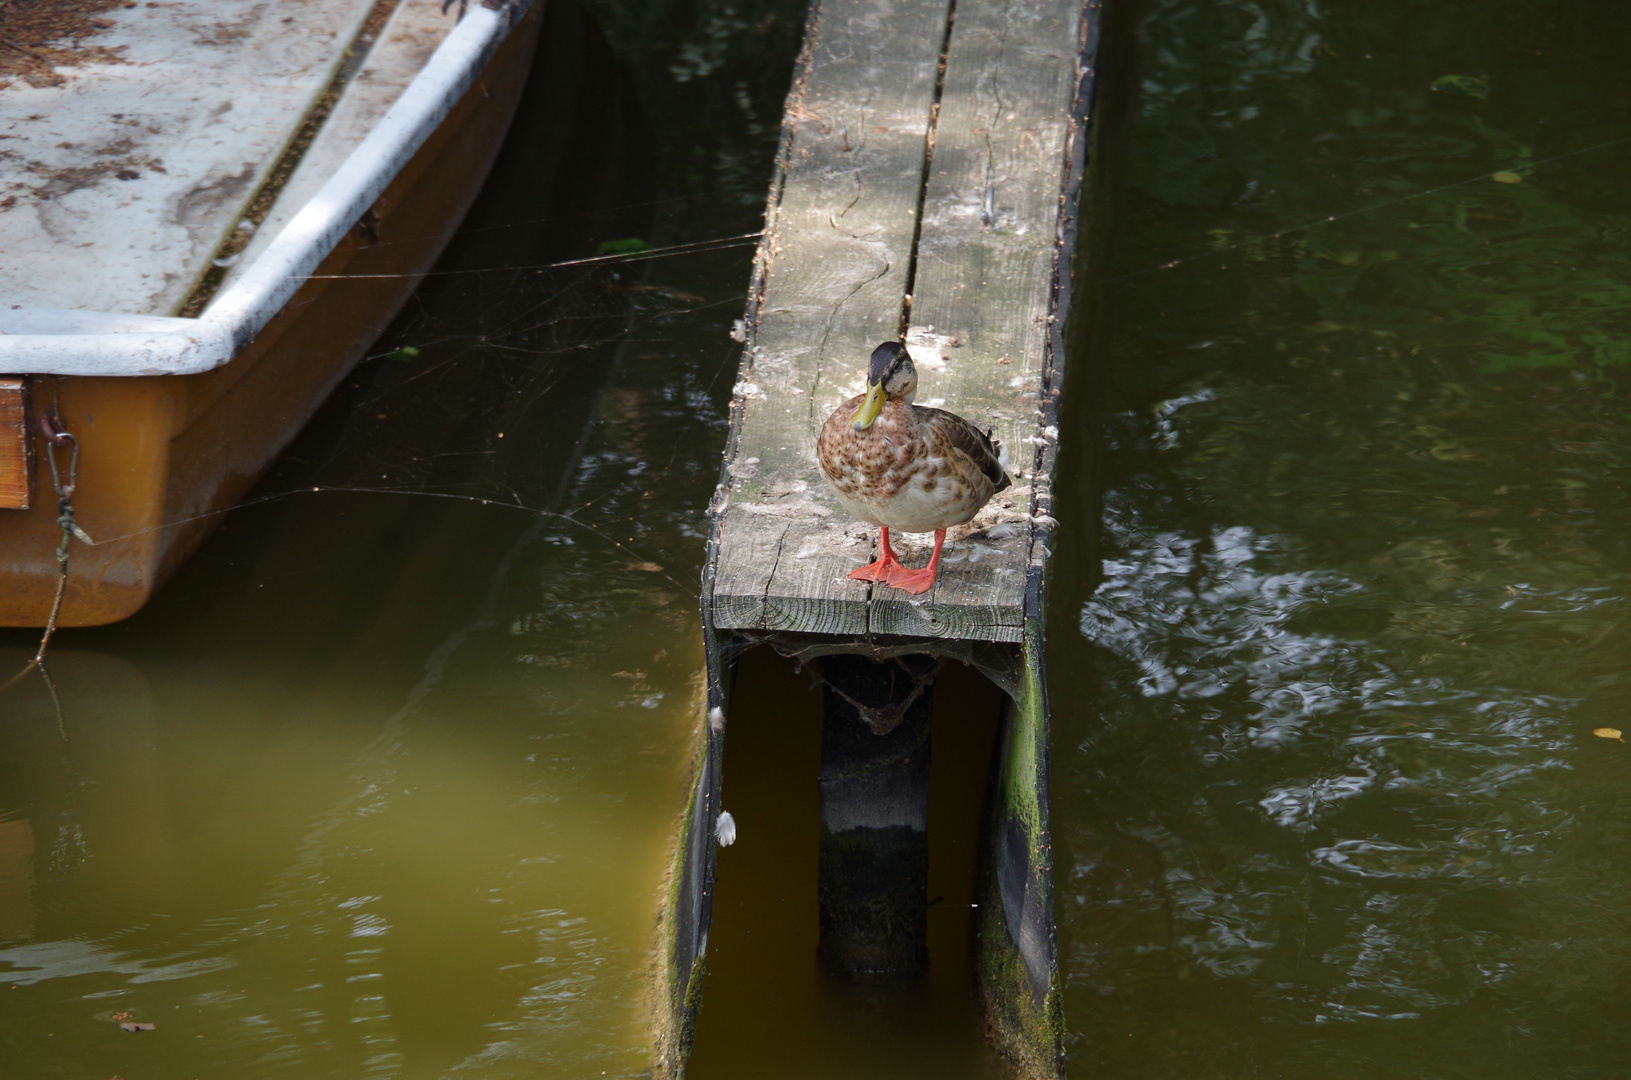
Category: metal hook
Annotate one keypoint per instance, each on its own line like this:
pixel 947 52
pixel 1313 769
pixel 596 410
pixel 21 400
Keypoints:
pixel 57 434
pixel 52 427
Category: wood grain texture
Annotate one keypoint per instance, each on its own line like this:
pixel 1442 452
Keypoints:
pixel 985 267
pixel 16 476
pixel 835 261
pixel 861 128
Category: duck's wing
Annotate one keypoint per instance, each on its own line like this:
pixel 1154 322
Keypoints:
pixel 974 442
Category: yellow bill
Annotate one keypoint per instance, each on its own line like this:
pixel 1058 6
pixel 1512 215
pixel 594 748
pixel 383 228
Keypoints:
pixel 871 407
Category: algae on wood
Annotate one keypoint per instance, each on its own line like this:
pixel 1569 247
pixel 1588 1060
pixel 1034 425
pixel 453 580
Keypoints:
pixel 1016 952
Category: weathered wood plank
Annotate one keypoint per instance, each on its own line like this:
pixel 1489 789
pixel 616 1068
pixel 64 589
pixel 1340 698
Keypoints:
pixel 834 264
pixel 985 268
pixel 834 267
pixel 16 472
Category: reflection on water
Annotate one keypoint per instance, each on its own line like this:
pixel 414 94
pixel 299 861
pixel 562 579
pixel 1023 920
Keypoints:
pixel 1328 798
pixel 320 885
pixel 768 1009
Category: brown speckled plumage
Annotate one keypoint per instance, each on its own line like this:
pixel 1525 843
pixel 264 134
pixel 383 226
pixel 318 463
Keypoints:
pixel 914 469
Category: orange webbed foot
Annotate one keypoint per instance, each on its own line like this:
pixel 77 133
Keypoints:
pixel 889 571
pixel 880 571
pixel 912 581
pixel 886 567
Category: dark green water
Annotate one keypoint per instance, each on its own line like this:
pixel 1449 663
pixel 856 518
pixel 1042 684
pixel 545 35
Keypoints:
pixel 381 785
pixel 1327 799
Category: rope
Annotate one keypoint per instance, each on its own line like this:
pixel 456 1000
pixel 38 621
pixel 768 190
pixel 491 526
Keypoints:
pixel 57 438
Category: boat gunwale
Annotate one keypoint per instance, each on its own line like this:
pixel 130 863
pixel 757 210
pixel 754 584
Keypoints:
pixel 37 341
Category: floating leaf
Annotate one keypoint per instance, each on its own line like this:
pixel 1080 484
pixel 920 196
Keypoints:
pixel 121 1016
pixel 1608 733
pixel 648 567
pixel 407 352
pixel 1505 177
pixel 628 246
pixel 1464 85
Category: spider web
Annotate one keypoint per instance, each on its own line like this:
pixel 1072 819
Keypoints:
pixel 571 352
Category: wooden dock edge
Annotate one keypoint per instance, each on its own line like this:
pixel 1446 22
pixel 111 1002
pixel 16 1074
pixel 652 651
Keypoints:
pixel 1017 950
pixel 686 911
pixel 1015 936
pixel 1016 947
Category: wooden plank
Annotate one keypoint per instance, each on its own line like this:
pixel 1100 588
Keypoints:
pixel 834 265
pixel 983 293
pixel 16 458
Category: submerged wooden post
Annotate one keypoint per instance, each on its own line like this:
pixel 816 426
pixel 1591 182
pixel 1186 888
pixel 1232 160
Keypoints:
pixel 931 158
pixel 874 853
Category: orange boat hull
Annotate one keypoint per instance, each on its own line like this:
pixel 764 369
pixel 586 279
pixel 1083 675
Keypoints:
pixel 163 458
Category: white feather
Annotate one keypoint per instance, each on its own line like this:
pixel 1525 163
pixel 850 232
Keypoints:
pixel 725 829
pixel 976 552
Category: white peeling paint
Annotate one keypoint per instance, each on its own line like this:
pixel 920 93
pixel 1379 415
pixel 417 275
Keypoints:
pixel 82 342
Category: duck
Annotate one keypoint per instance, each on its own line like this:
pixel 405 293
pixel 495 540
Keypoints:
pixel 906 467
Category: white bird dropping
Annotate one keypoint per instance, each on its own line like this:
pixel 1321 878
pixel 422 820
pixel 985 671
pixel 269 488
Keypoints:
pixel 725 829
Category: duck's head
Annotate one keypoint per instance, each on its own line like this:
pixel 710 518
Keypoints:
pixel 890 374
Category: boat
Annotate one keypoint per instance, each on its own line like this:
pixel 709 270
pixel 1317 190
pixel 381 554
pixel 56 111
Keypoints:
pixel 209 209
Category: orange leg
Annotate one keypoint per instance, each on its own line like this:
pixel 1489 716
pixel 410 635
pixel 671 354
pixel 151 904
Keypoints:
pixel 917 581
pixel 886 566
